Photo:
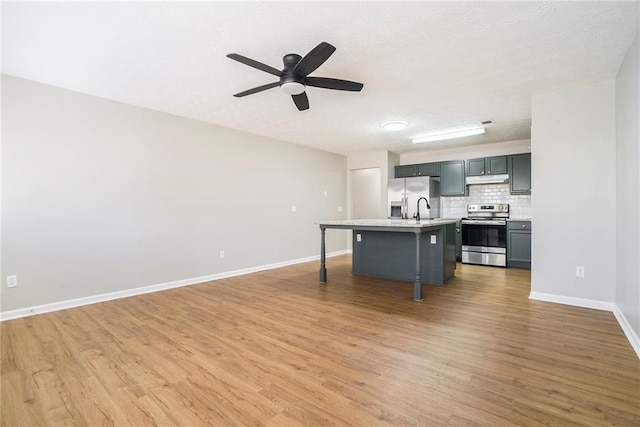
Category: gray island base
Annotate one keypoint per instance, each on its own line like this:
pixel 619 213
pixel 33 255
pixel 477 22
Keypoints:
pixel 423 252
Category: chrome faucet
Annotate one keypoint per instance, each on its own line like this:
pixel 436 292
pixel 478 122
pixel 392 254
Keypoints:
pixel 417 215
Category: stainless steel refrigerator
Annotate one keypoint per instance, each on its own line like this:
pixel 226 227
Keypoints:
pixel 403 195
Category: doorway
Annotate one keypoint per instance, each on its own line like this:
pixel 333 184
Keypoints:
pixel 365 193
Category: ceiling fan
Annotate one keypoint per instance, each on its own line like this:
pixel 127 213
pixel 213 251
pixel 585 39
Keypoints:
pixel 294 77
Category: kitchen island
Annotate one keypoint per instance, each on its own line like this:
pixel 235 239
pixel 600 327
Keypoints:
pixel 421 252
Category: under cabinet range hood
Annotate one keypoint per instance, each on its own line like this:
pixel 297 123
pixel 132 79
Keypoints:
pixel 488 179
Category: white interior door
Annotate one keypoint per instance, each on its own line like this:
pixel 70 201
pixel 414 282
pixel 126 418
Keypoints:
pixel 365 193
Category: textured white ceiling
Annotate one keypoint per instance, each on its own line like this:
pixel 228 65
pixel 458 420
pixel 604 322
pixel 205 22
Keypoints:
pixel 433 64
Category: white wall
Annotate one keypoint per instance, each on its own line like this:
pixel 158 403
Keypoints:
pixel 573 152
pixel 100 197
pixel 628 188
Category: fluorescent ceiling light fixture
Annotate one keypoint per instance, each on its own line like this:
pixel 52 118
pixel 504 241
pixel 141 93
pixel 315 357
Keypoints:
pixel 395 125
pixel 451 133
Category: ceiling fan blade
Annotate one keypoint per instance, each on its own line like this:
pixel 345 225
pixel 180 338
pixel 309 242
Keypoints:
pixel 256 89
pixel 301 101
pixel 314 59
pixel 337 84
pixel 255 64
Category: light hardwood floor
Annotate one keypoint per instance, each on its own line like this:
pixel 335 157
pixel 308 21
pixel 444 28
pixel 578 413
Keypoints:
pixel 277 348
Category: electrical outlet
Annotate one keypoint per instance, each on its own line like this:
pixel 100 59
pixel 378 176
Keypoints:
pixel 325 193
pixel 339 208
pixel 221 254
pixel 433 239
pixel 294 209
pixel 358 237
pixel 12 281
pixel 579 271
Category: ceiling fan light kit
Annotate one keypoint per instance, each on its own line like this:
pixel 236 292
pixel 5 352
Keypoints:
pixel 292 88
pixel 451 133
pixel 294 77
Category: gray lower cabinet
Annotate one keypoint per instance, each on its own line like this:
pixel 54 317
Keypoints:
pixel 393 255
pixel 458 241
pixel 452 178
pixel 520 173
pixel 519 244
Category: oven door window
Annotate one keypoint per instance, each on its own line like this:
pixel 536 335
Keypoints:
pixel 488 236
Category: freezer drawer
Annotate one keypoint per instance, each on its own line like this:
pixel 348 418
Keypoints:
pixel 498 260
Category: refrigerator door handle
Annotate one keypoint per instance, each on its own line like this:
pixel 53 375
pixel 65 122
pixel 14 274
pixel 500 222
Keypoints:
pixel 405 206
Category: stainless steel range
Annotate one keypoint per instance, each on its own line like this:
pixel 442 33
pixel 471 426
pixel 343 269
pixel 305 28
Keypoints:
pixel 484 234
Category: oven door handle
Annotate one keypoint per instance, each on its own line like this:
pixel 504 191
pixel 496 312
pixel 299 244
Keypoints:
pixel 481 222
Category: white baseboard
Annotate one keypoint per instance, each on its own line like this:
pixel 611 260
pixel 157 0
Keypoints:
pixel 63 305
pixel 631 335
pixel 578 302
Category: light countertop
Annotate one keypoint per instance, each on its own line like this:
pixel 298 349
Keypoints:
pixel 400 223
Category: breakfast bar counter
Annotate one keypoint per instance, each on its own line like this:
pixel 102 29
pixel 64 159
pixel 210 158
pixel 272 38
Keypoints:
pixel 422 252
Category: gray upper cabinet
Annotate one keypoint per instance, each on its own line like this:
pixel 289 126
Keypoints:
pixel 405 171
pixel 452 178
pixel 422 169
pixel 496 165
pixel 475 167
pixel 487 166
pixel 453 173
pixel 428 169
pixel 520 173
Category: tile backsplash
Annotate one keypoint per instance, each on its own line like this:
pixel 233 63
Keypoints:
pixel 456 207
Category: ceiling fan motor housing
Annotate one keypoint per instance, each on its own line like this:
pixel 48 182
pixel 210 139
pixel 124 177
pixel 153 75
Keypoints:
pixel 291 83
pixel 290 60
